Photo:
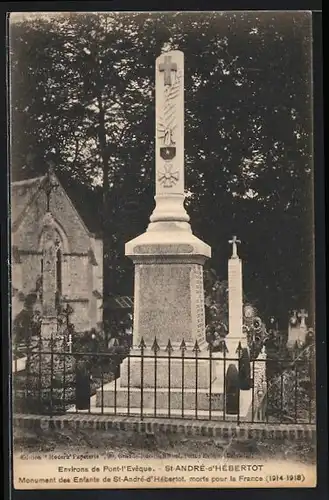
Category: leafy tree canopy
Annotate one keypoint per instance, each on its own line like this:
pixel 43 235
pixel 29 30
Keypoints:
pixel 82 92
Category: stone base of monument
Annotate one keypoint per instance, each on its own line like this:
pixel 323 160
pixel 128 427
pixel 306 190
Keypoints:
pixel 146 387
pixel 173 382
pixel 162 400
pixel 177 371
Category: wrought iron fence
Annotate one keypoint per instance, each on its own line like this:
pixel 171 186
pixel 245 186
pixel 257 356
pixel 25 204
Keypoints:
pixel 171 382
pixel 21 349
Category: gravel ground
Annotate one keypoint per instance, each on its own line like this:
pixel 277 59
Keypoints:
pixel 133 445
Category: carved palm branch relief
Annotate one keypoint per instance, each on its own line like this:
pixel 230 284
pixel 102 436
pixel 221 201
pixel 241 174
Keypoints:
pixel 167 120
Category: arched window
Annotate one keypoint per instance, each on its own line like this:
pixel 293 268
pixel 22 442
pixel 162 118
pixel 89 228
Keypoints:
pixel 59 271
pixel 60 238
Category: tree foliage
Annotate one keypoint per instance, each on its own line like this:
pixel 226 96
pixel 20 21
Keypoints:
pixel 82 91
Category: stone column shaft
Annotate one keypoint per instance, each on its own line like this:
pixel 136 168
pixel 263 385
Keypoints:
pixel 235 307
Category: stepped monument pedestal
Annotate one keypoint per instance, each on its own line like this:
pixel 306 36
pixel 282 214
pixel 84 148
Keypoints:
pixel 170 370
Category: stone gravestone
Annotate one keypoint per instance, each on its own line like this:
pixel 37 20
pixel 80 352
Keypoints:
pixel 297 328
pixel 50 376
pixel 303 315
pixel 168 261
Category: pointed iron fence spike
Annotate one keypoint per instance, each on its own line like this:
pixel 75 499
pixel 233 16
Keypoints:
pixel 196 347
pixel 155 346
pixel 183 345
pixel 142 344
pixel 169 347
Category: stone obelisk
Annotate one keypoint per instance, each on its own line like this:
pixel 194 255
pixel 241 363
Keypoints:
pixel 235 302
pixel 297 328
pixel 168 258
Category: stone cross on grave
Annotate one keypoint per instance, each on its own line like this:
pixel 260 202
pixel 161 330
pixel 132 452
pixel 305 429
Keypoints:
pixel 167 67
pixel 69 343
pixel 303 316
pixel 234 242
pixel 293 319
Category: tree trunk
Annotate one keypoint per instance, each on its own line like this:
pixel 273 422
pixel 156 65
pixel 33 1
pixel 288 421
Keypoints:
pixel 106 230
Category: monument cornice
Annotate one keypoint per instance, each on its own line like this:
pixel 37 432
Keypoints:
pixel 168 259
pixel 179 244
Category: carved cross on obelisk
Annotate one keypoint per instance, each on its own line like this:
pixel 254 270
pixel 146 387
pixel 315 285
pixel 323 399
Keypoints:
pixel 167 67
pixel 234 242
pixel 169 139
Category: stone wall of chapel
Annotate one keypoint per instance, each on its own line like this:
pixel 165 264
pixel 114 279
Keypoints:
pixel 80 316
pixel 99 268
pixel 98 282
pixel 16 306
pixel 31 270
pixel 78 269
pixel 27 235
pixel 93 311
pixel 30 229
pixel 79 277
pixel 99 311
pixel 66 274
pixel 16 276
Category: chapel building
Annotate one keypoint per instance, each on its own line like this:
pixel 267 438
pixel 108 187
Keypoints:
pixel 79 254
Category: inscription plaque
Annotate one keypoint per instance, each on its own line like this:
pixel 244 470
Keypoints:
pixel 162 249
